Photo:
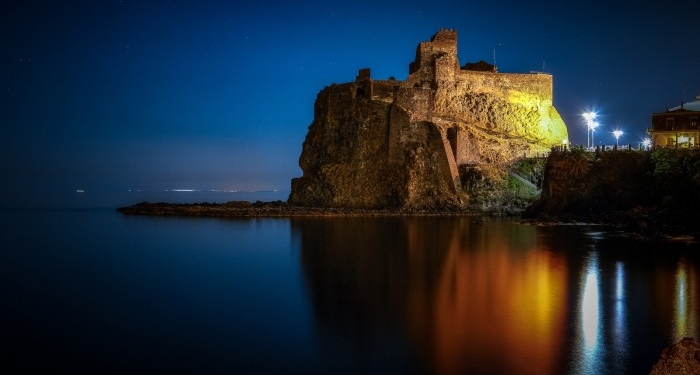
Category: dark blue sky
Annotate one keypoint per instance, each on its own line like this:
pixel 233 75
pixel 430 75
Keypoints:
pixel 117 95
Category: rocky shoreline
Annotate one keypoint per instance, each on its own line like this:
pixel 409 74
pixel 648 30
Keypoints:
pixel 625 222
pixel 681 358
pixel 647 225
pixel 245 209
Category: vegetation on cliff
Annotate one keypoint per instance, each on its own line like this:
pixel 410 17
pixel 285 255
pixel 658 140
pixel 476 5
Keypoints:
pixel 503 189
pixel 650 192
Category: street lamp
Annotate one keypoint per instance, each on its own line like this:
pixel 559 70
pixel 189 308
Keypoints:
pixel 591 124
pixel 646 142
pixel 617 134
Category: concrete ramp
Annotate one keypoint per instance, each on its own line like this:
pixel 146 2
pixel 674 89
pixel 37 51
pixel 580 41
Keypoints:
pixel 525 182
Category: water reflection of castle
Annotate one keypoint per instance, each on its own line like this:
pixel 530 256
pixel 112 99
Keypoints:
pixel 500 297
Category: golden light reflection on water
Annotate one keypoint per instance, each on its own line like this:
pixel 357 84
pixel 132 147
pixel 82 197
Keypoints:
pixel 676 295
pixel 493 300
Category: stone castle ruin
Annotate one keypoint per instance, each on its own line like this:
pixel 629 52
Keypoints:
pixel 410 144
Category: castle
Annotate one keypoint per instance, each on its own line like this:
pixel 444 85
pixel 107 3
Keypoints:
pixel 389 143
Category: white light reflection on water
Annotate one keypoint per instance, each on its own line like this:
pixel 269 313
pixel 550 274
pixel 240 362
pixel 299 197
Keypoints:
pixel 685 319
pixel 681 299
pixel 589 348
pixel 590 305
pixel 619 329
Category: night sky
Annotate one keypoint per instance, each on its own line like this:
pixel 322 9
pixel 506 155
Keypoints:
pixel 107 96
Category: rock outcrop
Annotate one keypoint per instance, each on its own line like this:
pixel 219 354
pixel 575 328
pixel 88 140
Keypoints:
pixel 651 193
pixel 683 358
pixel 389 143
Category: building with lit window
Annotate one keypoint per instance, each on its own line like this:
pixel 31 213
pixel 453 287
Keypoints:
pixel 677 126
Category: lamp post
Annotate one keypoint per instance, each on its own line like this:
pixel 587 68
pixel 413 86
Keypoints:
pixel 646 142
pixel 617 134
pixel 591 124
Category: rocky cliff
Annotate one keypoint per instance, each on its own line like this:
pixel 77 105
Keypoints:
pixel 411 144
pixel 652 193
pixel 683 358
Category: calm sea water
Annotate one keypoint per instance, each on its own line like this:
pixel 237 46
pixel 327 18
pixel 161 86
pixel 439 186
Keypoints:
pixel 93 291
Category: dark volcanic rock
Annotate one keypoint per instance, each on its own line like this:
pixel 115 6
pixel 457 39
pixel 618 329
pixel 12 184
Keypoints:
pixel 683 358
pixel 651 193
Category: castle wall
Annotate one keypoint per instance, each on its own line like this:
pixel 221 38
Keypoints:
pixel 449 171
pixel 411 124
pixel 535 84
pixel 419 102
pixel 384 90
pixel 424 66
pixel 364 84
pixel 445 70
pixel 399 122
pixel 432 168
pixel 465 149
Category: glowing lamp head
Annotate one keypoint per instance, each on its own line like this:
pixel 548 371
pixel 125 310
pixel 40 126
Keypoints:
pixel 617 133
pixel 589 116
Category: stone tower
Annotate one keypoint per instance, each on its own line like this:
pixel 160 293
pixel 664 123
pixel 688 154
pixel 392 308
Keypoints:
pixel 436 57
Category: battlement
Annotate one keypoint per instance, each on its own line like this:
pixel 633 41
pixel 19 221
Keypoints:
pixel 440 50
pixel 445 35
